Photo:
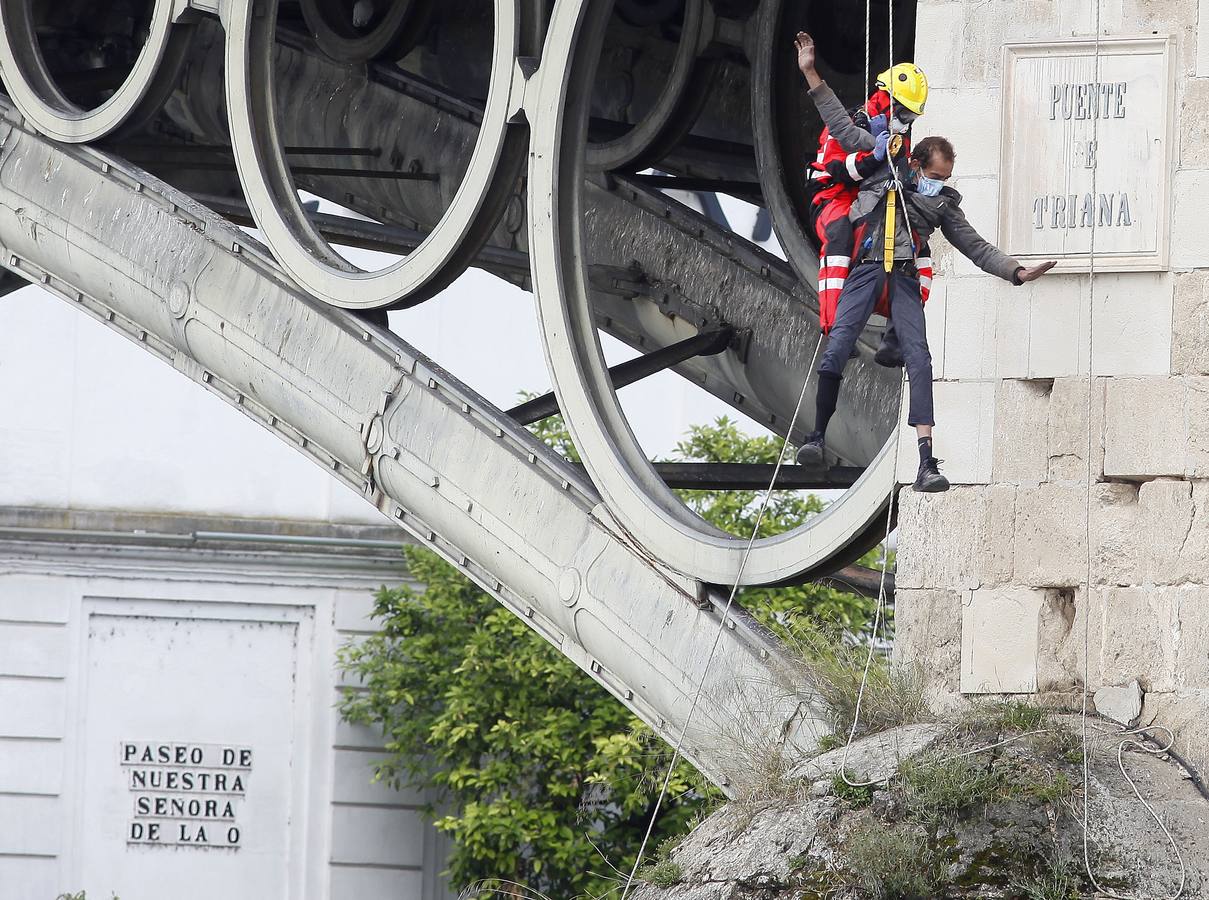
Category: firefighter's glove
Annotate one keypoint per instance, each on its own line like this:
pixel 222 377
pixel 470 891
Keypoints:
pixel 879 127
pixel 882 145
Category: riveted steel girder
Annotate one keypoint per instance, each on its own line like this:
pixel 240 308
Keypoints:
pixel 452 470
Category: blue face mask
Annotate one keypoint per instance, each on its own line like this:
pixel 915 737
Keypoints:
pixel 928 187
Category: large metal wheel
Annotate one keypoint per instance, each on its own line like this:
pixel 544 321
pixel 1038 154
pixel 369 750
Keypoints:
pixel 42 101
pixel 370 29
pixel 271 193
pixel 633 491
pixel 679 100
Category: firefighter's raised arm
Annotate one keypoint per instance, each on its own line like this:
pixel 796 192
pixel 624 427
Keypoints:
pixel 851 137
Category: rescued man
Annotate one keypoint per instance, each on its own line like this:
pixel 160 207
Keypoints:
pixel 843 162
pixel 922 204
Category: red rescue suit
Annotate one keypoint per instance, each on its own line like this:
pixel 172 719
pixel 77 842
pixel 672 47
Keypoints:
pixel 835 178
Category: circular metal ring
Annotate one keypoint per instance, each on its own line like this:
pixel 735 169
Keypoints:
pixel 647 12
pixel 632 489
pixel 32 87
pixel 676 107
pixel 337 35
pixel 273 199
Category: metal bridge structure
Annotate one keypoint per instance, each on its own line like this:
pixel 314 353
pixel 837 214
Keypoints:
pixel 549 142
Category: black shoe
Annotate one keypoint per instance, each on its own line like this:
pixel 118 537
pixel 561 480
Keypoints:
pixel 929 480
pixel 811 453
pixel 888 356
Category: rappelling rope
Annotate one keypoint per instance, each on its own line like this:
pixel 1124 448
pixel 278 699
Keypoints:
pixel 887 238
pixel 868 48
pixel 676 751
pixel 1126 733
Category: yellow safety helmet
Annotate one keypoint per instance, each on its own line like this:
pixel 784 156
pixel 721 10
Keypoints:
pixel 910 86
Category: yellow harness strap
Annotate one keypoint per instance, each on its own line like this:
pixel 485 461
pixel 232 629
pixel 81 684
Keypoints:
pixel 896 145
pixel 888 246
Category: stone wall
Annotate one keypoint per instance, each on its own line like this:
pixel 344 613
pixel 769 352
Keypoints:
pixel 992 594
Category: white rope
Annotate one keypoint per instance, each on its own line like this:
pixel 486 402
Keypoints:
pixel 1128 734
pixel 878 616
pixel 868 48
pixel 776 472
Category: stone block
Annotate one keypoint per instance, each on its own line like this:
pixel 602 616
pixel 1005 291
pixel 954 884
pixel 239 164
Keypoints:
pixel 1139 624
pixel 1050 547
pixel 941 57
pixel 1190 323
pixel 975 339
pixel 1021 452
pixel 1194 136
pixel 1202 43
pixel 1061 621
pixel 1057 338
pixel 1175 522
pixel 1078 17
pixel 1189 249
pixel 1192 635
pixel 980 203
pixel 1067 429
pixel 1196 417
pixel 965 416
pixel 1132 327
pixel 971 119
pixel 936 313
pixel 1013 311
pixel 1145 433
pixel 957 540
pixel 999 641
pixel 1122 704
pixel 927 636
pixel 988 26
pixel 1119 540
pixel 1185 712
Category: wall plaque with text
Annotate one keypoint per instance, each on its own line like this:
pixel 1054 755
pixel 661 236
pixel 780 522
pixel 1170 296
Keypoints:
pixel 185 795
pixel 1087 148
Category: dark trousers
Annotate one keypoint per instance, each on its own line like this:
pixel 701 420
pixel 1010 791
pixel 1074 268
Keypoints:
pixel 865 286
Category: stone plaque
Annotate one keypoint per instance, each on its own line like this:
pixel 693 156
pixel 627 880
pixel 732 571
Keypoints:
pixel 1084 148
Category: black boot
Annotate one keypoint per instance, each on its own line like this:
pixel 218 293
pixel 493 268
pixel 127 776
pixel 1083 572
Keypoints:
pixel 888 356
pixel 929 480
pixel 810 454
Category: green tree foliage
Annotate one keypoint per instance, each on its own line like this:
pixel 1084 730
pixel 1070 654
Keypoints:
pixel 542 777
pixel 737 511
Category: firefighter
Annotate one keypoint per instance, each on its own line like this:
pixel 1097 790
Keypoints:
pixel 894 215
pixel 847 156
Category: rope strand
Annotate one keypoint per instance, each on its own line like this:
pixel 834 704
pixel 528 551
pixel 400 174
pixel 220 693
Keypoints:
pixel 776 472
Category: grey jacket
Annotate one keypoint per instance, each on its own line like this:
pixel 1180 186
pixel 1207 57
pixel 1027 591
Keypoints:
pixel 925 214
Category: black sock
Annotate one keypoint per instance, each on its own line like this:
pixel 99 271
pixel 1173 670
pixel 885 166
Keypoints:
pixel 825 400
pixel 925 449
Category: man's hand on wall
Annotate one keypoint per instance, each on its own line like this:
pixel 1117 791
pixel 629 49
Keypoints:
pixel 804 44
pixel 1026 275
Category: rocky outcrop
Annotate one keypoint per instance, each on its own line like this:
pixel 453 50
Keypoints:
pixel 944 822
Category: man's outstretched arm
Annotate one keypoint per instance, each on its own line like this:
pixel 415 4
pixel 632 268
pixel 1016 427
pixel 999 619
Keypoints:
pixel 851 137
pixel 982 253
